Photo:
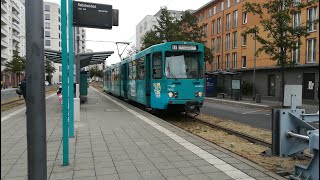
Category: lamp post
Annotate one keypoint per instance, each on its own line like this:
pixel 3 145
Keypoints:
pixel 254 67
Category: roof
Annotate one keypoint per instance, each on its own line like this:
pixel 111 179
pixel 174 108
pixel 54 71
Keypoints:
pixel 221 73
pixel 85 58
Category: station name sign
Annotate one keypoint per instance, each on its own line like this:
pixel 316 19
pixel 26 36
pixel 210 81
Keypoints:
pixel 92 15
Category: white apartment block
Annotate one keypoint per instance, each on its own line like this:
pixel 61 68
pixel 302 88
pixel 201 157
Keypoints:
pixel 12 32
pixel 148 22
pixel 52 35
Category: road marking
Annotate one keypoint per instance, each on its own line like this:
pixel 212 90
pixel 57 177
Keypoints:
pixel 20 110
pixel 252 104
pixel 251 112
pixel 215 161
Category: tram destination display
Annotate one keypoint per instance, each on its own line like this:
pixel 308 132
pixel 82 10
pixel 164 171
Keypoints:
pixel 92 15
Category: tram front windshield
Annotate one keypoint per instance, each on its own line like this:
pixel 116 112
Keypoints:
pixel 182 65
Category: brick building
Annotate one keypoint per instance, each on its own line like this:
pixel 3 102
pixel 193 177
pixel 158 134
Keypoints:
pixel 224 21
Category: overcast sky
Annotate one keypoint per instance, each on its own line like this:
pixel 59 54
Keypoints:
pixel 131 12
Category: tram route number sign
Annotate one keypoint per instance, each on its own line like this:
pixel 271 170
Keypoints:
pixel 92 15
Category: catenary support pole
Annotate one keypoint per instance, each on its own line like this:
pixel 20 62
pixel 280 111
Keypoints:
pixel 71 75
pixel 65 115
pixel 36 106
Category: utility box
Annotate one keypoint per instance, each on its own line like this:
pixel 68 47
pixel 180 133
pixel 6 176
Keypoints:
pixel 83 86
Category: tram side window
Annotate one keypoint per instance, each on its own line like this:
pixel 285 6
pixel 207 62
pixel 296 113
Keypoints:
pixel 157 65
pixel 112 75
pixel 134 70
pixel 130 71
pixel 141 68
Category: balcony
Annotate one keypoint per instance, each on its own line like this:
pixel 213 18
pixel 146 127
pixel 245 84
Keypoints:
pixel 4 8
pixel 4 54
pixel 15 7
pixel 16 26
pixel 4 32
pixel 15 37
pixel 4 44
pixel 4 19
pixel 15 16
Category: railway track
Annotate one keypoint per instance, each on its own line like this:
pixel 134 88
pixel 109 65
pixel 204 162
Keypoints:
pixel 239 134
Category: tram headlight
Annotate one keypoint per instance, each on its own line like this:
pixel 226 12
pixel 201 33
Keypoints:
pixel 170 94
pixel 200 94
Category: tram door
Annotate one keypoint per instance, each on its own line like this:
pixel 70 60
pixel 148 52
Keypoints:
pixel 148 79
pixel 124 81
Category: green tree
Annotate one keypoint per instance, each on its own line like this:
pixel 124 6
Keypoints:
pixel 283 35
pixel 17 65
pixel 49 70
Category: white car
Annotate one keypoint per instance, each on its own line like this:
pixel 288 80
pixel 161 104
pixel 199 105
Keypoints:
pixel 46 83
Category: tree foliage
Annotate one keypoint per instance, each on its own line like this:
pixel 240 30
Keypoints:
pixel 96 72
pixel 170 29
pixel 49 70
pixel 17 65
pixel 283 36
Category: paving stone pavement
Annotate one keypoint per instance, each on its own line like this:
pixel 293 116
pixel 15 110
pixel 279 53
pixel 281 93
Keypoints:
pixel 111 143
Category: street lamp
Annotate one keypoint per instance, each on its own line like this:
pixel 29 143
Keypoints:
pixel 254 67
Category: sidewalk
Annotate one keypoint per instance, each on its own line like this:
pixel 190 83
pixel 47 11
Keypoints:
pixel 114 140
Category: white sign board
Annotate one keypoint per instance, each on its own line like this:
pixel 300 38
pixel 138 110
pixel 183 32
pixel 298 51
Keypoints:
pixel 236 84
pixel 290 90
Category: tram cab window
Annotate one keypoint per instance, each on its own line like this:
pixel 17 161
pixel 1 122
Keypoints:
pixel 157 66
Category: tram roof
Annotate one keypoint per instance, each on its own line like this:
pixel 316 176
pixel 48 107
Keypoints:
pixel 85 58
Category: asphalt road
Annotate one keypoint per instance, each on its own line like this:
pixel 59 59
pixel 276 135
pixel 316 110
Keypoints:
pixel 7 94
pixel 255 116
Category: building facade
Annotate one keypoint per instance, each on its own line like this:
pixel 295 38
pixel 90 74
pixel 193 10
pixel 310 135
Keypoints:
pixel 12 35
pixel 52 35
pixel 148 22
pixel 224 21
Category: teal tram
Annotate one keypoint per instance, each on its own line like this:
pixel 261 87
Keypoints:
pixel 167 77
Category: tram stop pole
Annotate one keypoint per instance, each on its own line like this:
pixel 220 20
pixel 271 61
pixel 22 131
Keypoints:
pixel 65 110
pixel 35 103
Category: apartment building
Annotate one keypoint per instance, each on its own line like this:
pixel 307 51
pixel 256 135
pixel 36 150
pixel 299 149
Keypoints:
pixel 148 22
pixel 52 35
pixel 12 35
pixel 224 21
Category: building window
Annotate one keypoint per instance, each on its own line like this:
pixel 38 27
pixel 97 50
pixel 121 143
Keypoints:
pixel 219 25
pixel 213 30
pixel 244 40
pixel 47 42
pixel 60 68
pixel 210 12
pixel 222 6
pixel 244 61
pixel 205 30
pixel 59 10
pixel 311 50
pixel 218 63
pixel 228 3
pixel 296 55
pixel 228 23
pixel 47 8
pixel 47 34
pixel 219 44
pixel 59 27
pixel 312 16
pixel 47 16
pixel 234 38
pixel 59 18
pixel 296 19
pixel 214 10
pixel 47 25
pixel 228 41
pixel 234 60
pixel 212 44
pixel 60 78
pixel 227 61
pixel 235 19
pixel 244 18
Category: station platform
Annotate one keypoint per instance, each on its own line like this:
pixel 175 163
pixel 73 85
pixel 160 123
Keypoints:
pixel 114 140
